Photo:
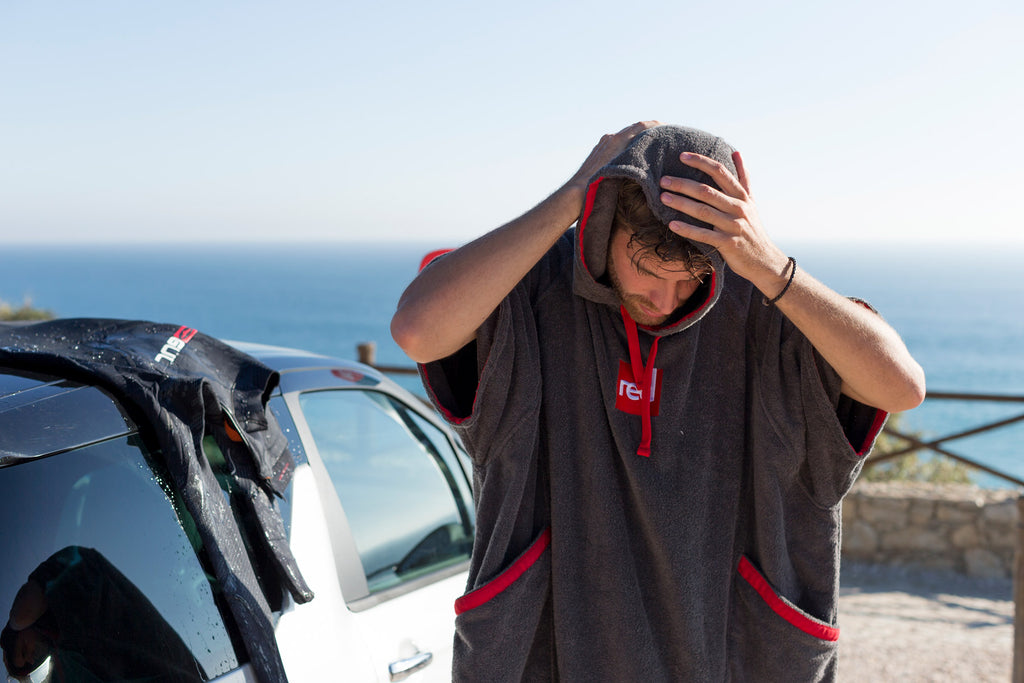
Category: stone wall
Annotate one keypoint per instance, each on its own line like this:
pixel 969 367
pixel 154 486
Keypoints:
pixel 932 526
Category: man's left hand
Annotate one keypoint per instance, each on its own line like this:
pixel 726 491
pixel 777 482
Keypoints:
pixel 738 234
pixel 870 358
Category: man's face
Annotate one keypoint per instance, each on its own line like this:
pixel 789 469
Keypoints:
pixel 650 289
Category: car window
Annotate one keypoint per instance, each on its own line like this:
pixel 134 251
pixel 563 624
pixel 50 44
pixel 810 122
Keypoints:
pixel 457 464
pixel 402 490
pixel 102 578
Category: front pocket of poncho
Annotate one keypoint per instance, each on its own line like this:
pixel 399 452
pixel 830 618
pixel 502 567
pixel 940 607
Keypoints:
pixel 770 638
pixel 505 580
pixel 784 608
pixel 503 627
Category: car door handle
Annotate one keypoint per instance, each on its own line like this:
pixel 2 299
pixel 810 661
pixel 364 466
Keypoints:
pixel 404 668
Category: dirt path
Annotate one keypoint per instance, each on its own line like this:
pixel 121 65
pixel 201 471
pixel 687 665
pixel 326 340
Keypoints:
pixel 902 625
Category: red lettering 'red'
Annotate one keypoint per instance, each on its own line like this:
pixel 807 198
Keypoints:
pixel 628 395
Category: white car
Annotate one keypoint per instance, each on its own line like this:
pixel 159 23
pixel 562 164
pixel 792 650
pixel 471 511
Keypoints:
pixel 379 515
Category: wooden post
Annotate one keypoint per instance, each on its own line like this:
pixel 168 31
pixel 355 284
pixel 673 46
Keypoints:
pixel 1018 598
pixel 367 353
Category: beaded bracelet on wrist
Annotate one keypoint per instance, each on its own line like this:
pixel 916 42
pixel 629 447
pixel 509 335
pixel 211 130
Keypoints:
pixel 792 272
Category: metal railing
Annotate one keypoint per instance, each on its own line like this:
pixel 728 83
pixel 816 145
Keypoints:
pixel 914 444
pixel 938 446
pixel 366 353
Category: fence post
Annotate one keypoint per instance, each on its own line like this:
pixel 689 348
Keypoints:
pixel 367 353
pixel 1018 598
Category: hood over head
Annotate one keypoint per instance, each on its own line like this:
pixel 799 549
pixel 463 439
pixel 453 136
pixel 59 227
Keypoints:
pixel 650 155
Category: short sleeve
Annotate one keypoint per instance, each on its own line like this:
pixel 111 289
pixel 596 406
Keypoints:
pixel 824 434
pixel 491 388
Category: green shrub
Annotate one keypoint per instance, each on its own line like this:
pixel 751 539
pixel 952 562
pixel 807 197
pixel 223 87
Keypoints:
pixel 914 466
pixel 26 311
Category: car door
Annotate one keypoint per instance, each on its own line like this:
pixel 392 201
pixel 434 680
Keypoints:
pixel 407 520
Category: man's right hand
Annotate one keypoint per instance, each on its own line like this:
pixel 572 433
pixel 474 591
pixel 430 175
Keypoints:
pixel 607 148
pixel 442 309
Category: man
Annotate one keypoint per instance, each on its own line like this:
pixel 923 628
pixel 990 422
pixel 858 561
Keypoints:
pixel 664 414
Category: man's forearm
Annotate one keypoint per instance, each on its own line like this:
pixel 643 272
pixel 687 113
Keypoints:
pixel 869 356
pixel 875 366
pixel 441 311
pixel 443 307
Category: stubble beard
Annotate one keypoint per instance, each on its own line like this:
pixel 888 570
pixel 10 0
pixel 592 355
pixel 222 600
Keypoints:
pixel 636 305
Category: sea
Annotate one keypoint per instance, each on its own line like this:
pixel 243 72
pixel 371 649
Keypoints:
pixel 959 309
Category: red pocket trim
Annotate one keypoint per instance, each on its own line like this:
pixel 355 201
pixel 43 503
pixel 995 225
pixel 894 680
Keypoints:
pixel 783 608
pixel 505 579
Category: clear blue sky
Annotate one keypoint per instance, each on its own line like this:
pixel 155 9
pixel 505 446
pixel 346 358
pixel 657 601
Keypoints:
pixel 434 121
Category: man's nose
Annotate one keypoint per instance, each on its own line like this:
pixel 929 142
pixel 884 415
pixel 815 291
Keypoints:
pixel 665 298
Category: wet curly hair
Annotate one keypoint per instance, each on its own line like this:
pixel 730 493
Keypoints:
pixel 654 239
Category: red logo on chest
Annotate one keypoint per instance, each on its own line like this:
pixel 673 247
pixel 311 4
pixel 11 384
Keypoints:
pixel 628 394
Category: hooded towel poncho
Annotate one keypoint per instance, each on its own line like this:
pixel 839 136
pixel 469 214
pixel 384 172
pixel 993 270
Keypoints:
pixel 716 557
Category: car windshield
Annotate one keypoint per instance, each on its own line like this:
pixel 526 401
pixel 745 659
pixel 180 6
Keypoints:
pixel 102 578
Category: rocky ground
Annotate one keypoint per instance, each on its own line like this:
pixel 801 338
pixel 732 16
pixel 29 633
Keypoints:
pixel 904 625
